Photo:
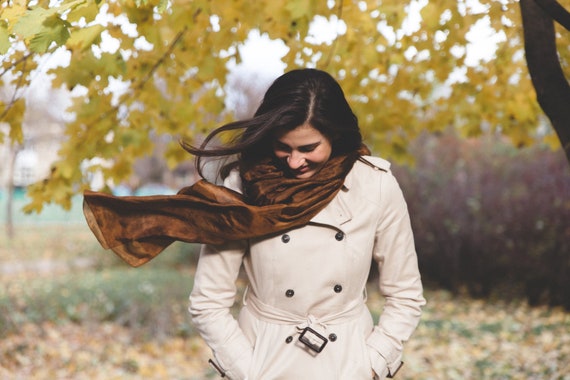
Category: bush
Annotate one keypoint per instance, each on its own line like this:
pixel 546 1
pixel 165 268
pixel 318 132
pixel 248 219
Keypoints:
pixel 490 218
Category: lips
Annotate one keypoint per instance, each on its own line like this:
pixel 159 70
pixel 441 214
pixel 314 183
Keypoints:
pixel 302 170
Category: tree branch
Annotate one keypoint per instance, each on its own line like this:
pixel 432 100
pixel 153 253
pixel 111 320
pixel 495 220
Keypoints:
pixel 16 63
pixel 556 11
pixel 13 100
pixel 147 77
pixel 334 43
pixel 155 67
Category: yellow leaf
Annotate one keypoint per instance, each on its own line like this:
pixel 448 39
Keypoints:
pixel 4 37
pixel 300 8
pixel 65 169
pixel 13 13
pixel 85 37
pixel 431 15
pixel 89 11
pixel 552 141
pixel 13 114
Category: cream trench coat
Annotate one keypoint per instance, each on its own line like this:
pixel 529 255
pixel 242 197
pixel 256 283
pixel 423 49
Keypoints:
pixel 315 276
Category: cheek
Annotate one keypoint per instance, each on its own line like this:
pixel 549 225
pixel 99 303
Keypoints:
pixel 320 157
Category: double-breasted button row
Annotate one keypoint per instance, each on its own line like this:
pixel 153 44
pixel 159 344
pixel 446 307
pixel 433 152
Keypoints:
pixel 290 292
pixel 339 236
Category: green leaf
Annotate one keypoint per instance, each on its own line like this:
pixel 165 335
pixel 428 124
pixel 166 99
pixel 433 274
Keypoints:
pixel 56 30
pixel 113 64
pixel 32 22
pixel 162 5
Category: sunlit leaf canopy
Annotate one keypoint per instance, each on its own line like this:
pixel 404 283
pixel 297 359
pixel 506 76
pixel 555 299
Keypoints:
pixel 404 65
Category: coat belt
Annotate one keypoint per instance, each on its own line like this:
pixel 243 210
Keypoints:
pixel 268 313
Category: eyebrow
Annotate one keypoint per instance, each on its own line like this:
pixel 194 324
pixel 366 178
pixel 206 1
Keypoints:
pixel 307 146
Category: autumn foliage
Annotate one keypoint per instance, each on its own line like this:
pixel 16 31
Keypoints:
pixel 402 74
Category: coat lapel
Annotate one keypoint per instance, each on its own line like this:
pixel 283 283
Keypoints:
pixel 337 212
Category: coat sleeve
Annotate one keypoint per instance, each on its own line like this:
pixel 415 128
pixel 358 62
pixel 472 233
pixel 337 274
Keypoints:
pixel 211 298
pixel 399 281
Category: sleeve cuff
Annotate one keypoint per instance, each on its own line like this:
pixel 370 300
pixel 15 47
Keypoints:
pixel 237 370
pixel 391 359
pixel 381 368
pixel 378 364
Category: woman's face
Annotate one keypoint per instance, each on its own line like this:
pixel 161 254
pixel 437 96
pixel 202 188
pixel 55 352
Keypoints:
pixel 303 150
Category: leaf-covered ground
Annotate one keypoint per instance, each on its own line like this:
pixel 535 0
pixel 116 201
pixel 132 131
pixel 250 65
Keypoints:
pixel 104 351
pixel 457 339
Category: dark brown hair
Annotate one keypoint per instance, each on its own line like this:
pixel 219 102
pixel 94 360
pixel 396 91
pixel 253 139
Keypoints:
pixel 297 97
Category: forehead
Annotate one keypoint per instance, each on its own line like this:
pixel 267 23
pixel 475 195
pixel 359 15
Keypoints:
pixel 301 135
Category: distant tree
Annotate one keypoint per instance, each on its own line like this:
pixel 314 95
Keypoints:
pixel 402 76
pixel 42 128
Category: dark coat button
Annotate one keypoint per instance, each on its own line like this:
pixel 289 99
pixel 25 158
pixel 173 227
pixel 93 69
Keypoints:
pixel 285 238
pixel 290 293
pixel 289 339
pixel 332 337
pixel 339 236
pixel 338 288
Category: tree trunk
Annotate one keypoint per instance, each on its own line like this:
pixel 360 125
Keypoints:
pixel 552 88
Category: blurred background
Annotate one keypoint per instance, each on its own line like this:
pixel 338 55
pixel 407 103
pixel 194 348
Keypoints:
pixel 441 89
pixel 491 225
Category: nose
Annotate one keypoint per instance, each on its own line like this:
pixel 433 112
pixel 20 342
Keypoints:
pixel 295 160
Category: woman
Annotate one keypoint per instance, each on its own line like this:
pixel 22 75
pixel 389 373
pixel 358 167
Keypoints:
pixel 304 313
pixel 304 211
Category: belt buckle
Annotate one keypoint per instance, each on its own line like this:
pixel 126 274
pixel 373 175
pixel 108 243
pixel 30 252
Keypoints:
pixel 313 339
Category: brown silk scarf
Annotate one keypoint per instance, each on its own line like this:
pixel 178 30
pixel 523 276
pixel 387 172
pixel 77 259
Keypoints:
pixel 138 228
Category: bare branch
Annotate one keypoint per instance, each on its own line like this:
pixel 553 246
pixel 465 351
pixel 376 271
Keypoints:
pixel 334 43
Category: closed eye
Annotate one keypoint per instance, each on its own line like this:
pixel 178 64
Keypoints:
pixel 309 148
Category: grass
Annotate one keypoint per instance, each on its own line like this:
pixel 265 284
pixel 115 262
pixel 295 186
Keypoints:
pixel 59 273
pixel 149 300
